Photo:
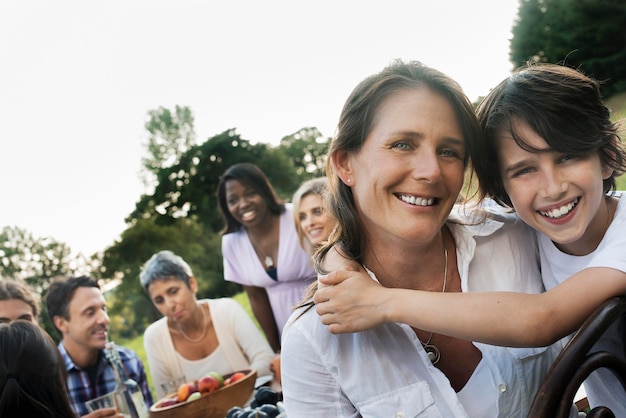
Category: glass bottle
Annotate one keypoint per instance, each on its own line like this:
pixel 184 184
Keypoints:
pixel 131 397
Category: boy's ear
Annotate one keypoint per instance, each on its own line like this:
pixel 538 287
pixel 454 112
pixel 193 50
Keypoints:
pixel 608 171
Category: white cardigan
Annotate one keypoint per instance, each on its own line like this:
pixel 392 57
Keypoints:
pixel 241 342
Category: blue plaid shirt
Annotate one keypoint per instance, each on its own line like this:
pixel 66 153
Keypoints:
pixel 80 388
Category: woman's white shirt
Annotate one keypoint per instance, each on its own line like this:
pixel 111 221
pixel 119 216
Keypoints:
pixel 385 372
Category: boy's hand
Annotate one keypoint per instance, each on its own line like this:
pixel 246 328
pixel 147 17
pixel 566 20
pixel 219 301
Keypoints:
pixel 349 302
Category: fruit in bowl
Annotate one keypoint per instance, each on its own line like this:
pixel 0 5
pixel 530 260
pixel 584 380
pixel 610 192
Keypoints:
pixel 185 390
pixel 208 384
pixel 206 397
pixel 234 377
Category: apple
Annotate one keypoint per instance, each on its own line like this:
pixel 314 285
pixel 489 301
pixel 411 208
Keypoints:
pixel 208 384
pixel 218 376
pixel 185 390
pixel 194 396
pixel 236 376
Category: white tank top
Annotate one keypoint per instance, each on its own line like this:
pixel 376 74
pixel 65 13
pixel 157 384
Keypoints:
pixel 195 369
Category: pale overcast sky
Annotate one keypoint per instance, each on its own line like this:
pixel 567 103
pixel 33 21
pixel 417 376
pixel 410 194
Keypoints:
pixel 78 77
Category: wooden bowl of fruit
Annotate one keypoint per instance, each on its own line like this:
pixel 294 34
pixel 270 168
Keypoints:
pixel 207 397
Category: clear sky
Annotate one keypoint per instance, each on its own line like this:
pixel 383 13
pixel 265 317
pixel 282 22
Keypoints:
pixel 77 79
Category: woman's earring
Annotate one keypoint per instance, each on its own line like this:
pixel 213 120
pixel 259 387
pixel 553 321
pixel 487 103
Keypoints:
pixel 349 180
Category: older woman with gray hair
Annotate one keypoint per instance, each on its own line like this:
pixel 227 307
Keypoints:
pixel 196 337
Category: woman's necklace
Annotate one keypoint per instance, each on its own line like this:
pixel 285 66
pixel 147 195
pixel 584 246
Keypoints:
pixel 204 327
pixel 431 349
pixel 267 260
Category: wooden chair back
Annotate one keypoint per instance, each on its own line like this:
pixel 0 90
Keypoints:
pixel 577 361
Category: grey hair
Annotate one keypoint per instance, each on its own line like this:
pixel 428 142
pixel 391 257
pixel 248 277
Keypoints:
pixel 164 265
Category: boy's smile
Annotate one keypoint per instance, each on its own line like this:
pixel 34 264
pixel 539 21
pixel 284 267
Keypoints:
pixel 558 194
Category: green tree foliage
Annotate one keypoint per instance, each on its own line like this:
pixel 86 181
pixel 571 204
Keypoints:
pixel 170 134
pixel 307 151
pixel 584 34
pixel 188 189
pixel 33 259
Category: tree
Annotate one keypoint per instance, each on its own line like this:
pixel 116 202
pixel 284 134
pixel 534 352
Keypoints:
pixel 36 260
pixel 171 134
pixel 307 150
pixel 188 189
pixel 583 34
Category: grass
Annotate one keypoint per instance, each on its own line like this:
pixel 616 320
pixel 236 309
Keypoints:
pixel 136 344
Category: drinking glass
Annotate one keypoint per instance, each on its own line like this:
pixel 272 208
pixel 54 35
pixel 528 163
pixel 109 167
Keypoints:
pixel 171 386
pixel 104 401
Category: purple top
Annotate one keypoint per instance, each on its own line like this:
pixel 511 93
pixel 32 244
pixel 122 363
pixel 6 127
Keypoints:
pixel 294 267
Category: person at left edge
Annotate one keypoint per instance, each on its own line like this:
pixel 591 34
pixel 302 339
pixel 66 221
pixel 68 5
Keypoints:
pixel 32 382
pixel 77 308
pixel 18 301
pixel 261 249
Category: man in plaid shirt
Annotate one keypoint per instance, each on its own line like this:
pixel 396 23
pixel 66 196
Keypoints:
pixel 78 311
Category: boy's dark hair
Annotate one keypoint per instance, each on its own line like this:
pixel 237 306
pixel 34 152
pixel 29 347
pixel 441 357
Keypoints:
pixel 60 294
pixel 560 104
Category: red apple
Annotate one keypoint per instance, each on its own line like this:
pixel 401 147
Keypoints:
pixel 208 384
pixel 218 376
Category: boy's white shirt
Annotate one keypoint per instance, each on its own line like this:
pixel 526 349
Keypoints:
pixel 602 387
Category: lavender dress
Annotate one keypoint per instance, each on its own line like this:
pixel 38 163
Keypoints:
pixel 295 270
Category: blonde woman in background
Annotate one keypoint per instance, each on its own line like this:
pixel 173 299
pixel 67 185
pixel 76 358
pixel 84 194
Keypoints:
pixel 313 223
